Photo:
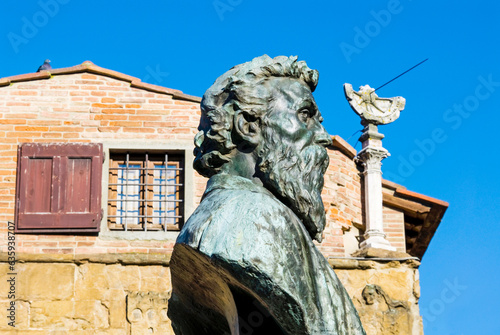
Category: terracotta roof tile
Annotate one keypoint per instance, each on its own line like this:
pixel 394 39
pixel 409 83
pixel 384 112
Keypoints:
pixel 343 146
pixel 392 185
pixel 403 192
pixel 90 67
pixel 24 77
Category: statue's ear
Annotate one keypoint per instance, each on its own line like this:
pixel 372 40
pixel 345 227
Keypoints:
pixel 247 127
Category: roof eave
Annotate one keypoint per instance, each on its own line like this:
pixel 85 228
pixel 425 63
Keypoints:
pixel 426 210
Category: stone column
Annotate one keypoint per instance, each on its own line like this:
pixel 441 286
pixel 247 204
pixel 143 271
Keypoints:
pixel 373 111
pixel 371 157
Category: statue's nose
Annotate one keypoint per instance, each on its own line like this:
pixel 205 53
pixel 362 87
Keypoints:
pixel 322 137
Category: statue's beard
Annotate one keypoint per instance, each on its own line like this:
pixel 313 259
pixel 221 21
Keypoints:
pixel 296 178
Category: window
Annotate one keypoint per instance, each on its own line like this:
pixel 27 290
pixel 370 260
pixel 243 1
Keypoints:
pixel 145 191
pixel 58 187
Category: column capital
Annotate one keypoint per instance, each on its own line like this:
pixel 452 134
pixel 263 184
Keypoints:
pixel 371 159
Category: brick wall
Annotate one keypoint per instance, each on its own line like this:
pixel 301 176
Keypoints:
pixel 87 107
pixel 394 228
pixel 342 200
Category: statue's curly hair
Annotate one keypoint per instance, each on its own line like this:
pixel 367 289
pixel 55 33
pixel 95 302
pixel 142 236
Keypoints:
pixel 239 89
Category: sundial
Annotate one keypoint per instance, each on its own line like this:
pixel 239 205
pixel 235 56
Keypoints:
pixel 371 108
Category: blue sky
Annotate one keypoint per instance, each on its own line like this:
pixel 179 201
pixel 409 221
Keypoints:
pixel 443 145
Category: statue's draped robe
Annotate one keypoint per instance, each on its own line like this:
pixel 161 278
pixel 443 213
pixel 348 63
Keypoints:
pixel 242 239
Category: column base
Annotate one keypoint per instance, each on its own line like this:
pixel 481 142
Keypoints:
pixel 376 240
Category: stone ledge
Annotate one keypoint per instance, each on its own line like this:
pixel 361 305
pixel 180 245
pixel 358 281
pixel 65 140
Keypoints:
pixel 122 258
pixel 164 260
pixel 373 263
pixel 372 253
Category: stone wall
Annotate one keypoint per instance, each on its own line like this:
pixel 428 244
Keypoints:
pixel 88 298
pixel 122 294
pixel 385 294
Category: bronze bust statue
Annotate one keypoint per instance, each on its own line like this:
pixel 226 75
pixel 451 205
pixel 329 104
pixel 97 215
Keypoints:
pixel 245 261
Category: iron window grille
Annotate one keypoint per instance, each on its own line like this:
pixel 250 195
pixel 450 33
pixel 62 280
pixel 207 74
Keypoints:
pixel 145 192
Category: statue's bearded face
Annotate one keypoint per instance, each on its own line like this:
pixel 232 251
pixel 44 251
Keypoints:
pixel 292 155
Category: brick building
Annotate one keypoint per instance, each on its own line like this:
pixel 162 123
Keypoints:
pixel 102 167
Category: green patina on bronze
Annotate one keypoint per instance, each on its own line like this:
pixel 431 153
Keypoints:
pixel 245 261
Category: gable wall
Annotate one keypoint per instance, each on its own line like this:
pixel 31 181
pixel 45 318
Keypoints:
pixel 86 108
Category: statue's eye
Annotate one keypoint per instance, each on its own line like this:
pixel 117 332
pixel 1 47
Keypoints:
pixel 305 114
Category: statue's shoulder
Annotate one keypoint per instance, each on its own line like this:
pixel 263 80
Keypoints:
pixel 229 193
pixel 243 204
pixel 228 209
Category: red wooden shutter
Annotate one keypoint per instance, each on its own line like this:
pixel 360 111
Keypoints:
pixel 59 187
